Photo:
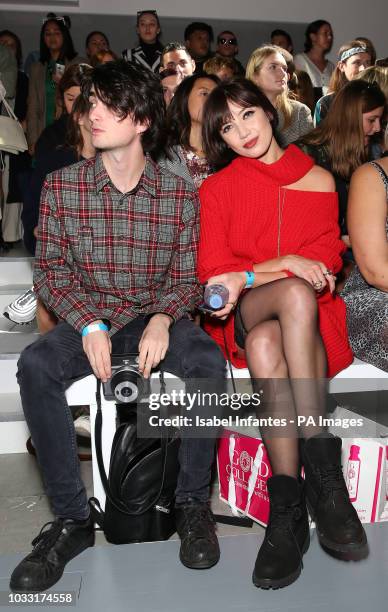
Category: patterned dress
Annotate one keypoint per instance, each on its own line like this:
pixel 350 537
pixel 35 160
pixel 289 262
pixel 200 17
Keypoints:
pixel 367 311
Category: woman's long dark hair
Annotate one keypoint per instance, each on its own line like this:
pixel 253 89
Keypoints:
pixel 313 28
pixel 178 122
pixel 67 52
pixel 216 113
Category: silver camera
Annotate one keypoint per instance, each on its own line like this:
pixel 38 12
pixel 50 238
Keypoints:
pixel 126 385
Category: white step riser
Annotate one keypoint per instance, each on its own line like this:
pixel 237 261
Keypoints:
pixel 15 271
pixel 8 382
pixel 15 279
pixel 13 437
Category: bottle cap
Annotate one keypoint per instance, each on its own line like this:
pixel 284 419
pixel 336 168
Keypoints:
pixel 215 301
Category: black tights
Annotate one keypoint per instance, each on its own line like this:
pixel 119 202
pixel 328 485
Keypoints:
pixel 287 360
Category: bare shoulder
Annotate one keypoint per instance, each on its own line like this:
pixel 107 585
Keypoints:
pixel 317 179
pixel 322 178
pixel 367 173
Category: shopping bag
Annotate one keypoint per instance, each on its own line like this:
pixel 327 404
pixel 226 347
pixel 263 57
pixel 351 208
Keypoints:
pixel 364 467
pixel 384 514
pixel 243 472
pixel 244 469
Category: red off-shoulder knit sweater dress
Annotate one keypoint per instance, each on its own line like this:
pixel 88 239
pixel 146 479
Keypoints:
pixel 240 227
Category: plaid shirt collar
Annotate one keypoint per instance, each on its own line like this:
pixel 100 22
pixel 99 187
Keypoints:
pixel 148 180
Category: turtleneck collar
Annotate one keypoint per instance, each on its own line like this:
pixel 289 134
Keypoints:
pixel 150 47
pixel 288 169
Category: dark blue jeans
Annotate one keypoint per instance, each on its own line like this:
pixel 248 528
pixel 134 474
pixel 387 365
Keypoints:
pixel 47 368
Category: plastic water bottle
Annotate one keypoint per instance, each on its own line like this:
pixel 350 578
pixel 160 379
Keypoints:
pixel 216 296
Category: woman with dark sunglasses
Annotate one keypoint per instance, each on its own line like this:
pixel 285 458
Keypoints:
pixel 227 46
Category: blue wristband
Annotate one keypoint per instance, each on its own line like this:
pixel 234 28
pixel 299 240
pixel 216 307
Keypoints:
pixel 92 327
pixel 250 276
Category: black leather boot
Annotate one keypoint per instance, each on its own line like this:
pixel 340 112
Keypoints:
pixel 287 537
pixel 53 548
pixel 339 529
pixel 196 529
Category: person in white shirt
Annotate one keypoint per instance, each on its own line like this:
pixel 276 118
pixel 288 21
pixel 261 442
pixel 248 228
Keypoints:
pixel 319 40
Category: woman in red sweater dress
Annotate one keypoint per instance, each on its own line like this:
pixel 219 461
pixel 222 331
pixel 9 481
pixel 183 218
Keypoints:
pixel 269 233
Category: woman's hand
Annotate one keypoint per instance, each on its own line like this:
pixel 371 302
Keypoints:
pixel 235 283
pixel 314 272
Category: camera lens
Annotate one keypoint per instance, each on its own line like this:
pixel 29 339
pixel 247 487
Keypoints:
pixel 126 385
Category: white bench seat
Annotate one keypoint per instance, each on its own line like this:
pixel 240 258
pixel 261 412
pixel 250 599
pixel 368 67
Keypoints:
pixel 359 376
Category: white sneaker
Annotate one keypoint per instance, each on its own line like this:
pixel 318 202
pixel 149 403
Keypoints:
pixel 23 309
pixel 82 426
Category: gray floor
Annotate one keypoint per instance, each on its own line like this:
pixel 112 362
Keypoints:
pixel 24 507
pixel 149 577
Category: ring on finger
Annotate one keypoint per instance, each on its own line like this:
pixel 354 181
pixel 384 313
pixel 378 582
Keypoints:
pixel 328 273
pixel 317 284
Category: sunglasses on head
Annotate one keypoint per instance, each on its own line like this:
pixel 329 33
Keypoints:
pixel 227 41
pixel 143 12
pixel 62 19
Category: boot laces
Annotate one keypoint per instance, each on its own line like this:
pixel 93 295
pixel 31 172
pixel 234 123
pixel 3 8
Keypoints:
pixel 283 516
pixel 196 516
pixel 281 519
pixel 332 478
pixel 46 538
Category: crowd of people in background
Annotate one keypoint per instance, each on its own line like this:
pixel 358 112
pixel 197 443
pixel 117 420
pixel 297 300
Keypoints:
pixel 335 113
pixel 289 123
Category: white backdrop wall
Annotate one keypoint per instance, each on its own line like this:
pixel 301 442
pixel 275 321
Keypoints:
pixel 348 17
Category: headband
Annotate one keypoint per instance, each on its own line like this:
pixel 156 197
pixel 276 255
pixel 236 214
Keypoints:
pixel 353 51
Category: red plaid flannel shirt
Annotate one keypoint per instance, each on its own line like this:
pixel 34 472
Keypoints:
pixel 102 254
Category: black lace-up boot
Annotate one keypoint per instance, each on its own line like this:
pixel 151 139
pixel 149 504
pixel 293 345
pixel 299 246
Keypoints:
pixel 53 548
pixel 339 529
pixel 197 531
pixel 287 537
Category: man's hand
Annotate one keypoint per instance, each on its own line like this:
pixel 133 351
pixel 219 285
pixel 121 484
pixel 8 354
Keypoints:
pixel 98 348
pixel 235 283
pixel 154 343
pixel 314 272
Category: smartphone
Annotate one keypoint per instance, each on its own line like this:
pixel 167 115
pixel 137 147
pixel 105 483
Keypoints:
pixel 59 69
